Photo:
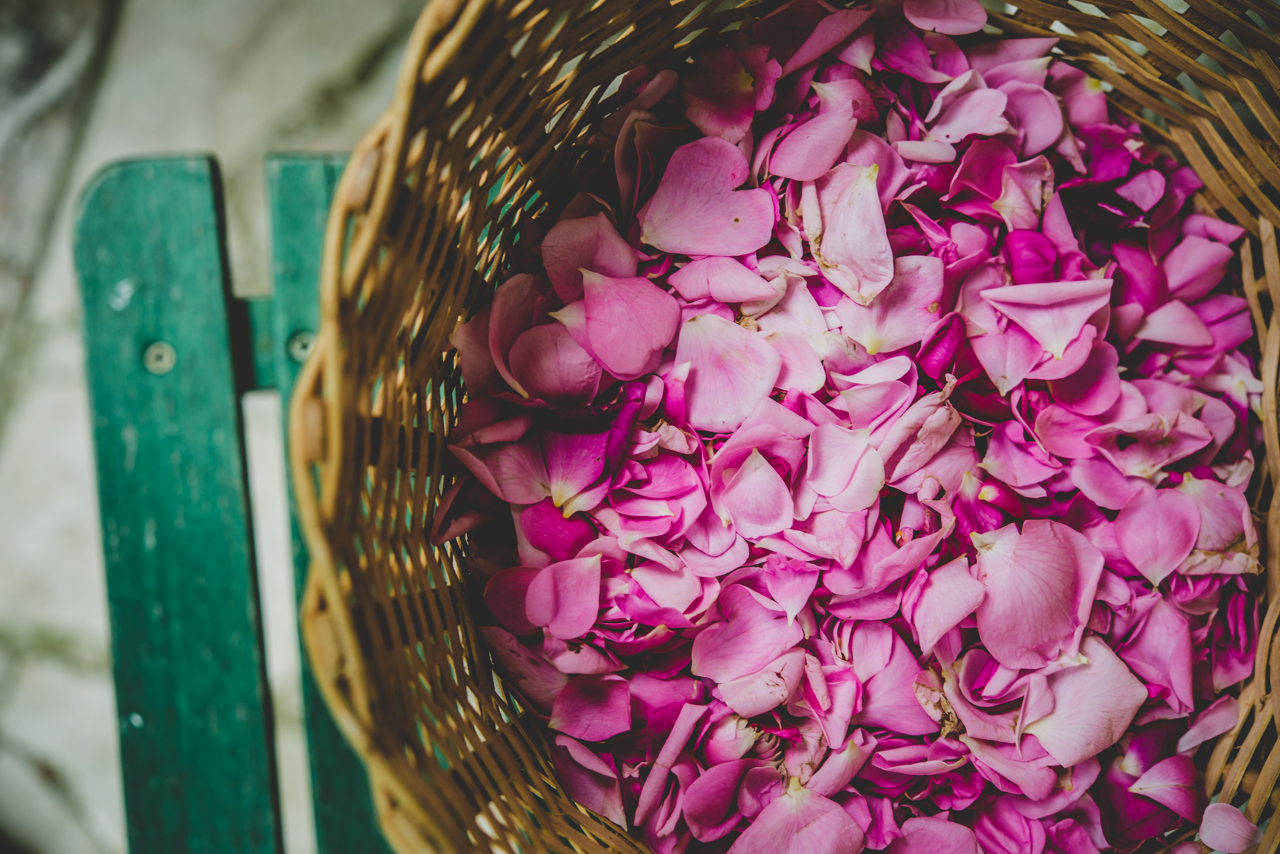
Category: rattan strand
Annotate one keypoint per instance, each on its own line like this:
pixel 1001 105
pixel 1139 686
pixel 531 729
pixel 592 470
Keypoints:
pixel 493 105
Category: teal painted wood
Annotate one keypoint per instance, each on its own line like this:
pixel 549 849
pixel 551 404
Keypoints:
pixel 299 188
pixel 194 713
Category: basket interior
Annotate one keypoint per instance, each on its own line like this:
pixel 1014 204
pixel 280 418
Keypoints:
pixel 494 109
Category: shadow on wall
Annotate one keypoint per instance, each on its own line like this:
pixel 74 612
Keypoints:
pixel 8 846
pixel 51 57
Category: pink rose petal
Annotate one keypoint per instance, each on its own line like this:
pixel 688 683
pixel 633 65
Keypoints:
pixel 629 322
pixel 696 209
pixel 1226 829
pixel 731 370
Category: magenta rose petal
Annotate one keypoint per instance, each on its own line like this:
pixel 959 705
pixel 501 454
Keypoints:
pixel 1175 783
pixel 593 708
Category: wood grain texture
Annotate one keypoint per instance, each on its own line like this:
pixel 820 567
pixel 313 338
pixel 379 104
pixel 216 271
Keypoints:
pixel 194 714
pixel 299 188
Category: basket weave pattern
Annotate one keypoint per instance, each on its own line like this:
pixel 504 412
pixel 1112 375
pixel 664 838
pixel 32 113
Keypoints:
pixel 494 103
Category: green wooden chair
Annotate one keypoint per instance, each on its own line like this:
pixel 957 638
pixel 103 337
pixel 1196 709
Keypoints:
pixel 169 354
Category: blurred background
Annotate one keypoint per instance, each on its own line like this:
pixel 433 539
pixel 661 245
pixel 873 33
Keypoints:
pixel 82 83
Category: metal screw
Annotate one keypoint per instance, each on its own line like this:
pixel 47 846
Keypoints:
pixel 300 345
pixel 159 358
pixel 136 720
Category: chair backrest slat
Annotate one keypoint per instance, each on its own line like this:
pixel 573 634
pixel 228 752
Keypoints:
pixel 164 384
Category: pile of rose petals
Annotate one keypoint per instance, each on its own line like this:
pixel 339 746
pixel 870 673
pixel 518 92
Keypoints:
pixel 858 460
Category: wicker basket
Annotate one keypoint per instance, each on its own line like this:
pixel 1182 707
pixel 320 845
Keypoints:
pixel 494 102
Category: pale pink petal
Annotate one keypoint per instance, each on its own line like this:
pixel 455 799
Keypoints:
pixel 840 455
pixel 1174 783
pixel 889 694
pixel 723 279
pixel 1142 446
pixel 925 835
pixel 1194 266
pixel 903 312
pixel 1219 718
pixel 1161 654
pixel 767 689
pixel 1036 112
pixel 1228 541
pixel 810 150
pixel 854 251
pixel 629 323
pixel 790 583
pixel 987 55
pixel 925 151
pixel 1174 323
pixel 719 95
pixel 757 499
pixel 1095 703
pixel 869 149
pixel 590 242
pixel 697 211
pixel 1054 313
pixel 1094 388
pixel 1103 484
pixel 1226 829
pixel 1040 587
pixel 1016 461
pixel 978 112
pixel 1023 190
pixel 731 371
pixel 588 780
pixel 952 17
pixel 842 764
pixel 801 366
pixel 950 594
pixel 800 822
pixel 1007 357
pixel 1031 778
pixel 751 635
pixel 550 366
pixel 1143 189
pixel 592 708
pixel 565 597
pixel 1082 95
pixel 1157 533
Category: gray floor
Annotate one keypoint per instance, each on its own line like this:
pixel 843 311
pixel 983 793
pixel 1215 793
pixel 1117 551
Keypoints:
pixel 238 78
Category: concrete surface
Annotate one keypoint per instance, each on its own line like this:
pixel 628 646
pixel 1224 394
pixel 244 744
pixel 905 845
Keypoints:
pixel 237 78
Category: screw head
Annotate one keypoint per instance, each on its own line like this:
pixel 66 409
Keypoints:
pixel 159 358
pixel 300 345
